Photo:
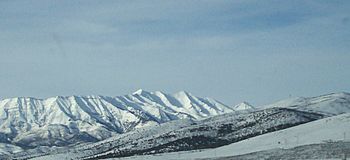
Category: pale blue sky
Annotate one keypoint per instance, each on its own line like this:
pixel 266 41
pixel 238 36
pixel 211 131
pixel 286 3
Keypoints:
pixel 243 50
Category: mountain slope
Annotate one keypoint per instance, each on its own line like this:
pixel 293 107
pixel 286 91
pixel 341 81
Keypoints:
pixel 209 133
pixel 327 130
pixel 332 104
pixel 61 121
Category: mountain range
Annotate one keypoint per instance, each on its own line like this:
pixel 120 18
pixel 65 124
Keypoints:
pixel 61 121
pixel 88 127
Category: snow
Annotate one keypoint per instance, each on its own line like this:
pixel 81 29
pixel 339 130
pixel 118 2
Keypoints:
pixel 60 120
pixel 24 120
pixel 332 104
pixel 139 91
pixel 8 148
pixel 335 128
pixel 215 128
pixel 243 106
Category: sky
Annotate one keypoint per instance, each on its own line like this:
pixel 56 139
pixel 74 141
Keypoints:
pixel 233 51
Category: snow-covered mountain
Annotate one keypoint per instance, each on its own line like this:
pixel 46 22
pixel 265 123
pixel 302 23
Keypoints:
pixel 60 121
pixel 146 122
pixel 331 104
pixel 244 106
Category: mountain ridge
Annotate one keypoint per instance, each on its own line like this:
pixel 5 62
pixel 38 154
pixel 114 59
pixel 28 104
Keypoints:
pixel 61 121
pixel 64 120
pixel 331 104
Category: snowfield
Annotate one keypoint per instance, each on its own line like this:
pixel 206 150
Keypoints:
pixel 327 151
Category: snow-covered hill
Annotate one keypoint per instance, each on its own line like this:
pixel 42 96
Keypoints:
pixel 60 121
pixel 332 104
pixel 331 129
pixel 178 136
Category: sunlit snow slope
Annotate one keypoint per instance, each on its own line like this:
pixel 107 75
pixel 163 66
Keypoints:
pixel 332 104
pixel 60 121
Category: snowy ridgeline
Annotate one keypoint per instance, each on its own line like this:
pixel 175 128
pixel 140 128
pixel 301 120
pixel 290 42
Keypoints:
pixel 62 121
pixel 148 123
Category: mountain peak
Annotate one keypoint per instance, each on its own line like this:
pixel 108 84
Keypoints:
pixel 243 106
pixel 140 92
